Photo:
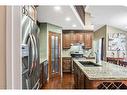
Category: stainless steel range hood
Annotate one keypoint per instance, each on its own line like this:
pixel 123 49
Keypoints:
pixel 77 50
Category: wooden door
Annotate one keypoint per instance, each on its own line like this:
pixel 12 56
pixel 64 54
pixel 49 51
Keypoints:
pixel 54 54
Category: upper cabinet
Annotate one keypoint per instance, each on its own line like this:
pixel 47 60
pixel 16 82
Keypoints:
pixel 80 37
pixel 66 39
pixel 88 40
pixel 76 36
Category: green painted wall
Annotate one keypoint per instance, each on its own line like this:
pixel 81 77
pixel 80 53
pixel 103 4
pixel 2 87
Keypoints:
pixel 45 28
pixel 43 41
pixel 54 28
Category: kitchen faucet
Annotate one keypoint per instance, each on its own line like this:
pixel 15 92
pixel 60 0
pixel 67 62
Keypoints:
pixel 124 54
pixel 113 54
pixel 96 57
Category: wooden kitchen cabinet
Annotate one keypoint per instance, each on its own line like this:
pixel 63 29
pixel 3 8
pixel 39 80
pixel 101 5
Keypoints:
pixel 75 75
pixel 88 39
pixel 43 74
pixel 66 38
pixel 78 78
pixel 72 37
pixel 77 38
pixel 82 80
pixel 80 37
pixel 66 64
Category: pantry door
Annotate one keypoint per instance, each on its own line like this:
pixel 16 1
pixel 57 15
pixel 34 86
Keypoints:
pixel 54 54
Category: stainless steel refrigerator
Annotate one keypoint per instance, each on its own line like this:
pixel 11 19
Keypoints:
pixel 30 53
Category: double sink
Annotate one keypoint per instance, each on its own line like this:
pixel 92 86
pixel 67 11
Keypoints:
pixel 89 64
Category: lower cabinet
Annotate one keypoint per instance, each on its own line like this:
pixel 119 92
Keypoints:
pixel 79 78
pixel 81 81
pixel 75 75
pixel 67 64
pixel 44 73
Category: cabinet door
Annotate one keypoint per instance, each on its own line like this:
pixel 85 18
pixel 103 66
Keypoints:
pixel 77 38
pixel 73 38
pixel 80 37
pixel 82 80
pixel 75 75
pixel 78 77
pixel 88 37
pixel 66 64
pixel 66 40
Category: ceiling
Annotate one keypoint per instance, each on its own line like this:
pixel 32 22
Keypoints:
pixel 63 16
pixel 110 15
pixel 101 15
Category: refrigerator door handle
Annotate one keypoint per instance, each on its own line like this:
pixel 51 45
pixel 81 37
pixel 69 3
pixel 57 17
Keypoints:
pixel 33 54
pixel 35 42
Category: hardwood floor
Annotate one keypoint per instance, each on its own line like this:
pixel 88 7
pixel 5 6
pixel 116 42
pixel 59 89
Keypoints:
pixel 67 82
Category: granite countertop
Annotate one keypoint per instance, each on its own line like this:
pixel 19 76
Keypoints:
pixel 66 56
pixel 107 71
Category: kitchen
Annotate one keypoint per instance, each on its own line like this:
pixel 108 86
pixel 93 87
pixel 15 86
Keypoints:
pixel 74 47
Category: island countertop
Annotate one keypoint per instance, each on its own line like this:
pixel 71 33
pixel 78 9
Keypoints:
pixel 107 71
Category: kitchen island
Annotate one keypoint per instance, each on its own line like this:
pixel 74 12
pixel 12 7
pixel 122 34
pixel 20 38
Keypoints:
pixel 106 76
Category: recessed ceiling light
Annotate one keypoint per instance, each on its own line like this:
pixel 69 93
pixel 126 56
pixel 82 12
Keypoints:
pixel 67 18
pixel 126 27
pixel 74 25
pixel 57 8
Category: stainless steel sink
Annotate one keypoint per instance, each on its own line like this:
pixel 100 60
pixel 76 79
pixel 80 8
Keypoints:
pixel 88 63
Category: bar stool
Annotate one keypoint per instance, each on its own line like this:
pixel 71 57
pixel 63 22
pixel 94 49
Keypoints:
pixel 123 63
pixel 112 60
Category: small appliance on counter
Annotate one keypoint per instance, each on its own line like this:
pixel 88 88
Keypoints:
pixel 77 50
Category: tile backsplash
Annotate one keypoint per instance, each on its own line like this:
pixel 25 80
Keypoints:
pixel 66 52
pixel 87 53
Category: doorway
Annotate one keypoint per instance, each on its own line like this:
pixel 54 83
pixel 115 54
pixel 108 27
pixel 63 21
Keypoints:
pixel 54 54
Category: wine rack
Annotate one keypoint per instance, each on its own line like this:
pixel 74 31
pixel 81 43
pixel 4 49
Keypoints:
pixel 112 85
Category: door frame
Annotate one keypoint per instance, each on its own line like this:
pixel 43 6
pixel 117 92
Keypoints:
pixel 102 49
pixel 49 51
pixel 13 50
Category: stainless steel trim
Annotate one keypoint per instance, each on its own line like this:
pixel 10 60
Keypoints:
pixel 35 42
pixel 27 83
pixel 25 71
pixel 26 28
pixel 33 55
pixel 37 84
